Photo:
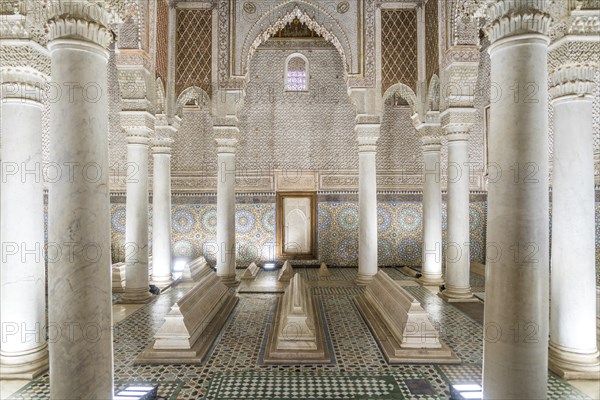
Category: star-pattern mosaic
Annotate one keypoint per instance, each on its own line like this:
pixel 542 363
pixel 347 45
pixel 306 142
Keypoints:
pixel 399 228
pixel 399 232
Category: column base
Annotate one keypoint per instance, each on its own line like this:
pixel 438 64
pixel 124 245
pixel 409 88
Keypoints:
pixel 363 279
pixel 161 280
pixel 136 296
pixel 26 365
pixel 229 280
pixel 458 295
pixel 431 280
pixel 572 365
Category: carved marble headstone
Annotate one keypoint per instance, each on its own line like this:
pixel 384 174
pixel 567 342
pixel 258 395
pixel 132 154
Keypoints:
pixel 297 334
pixel 251 272
pixel 118 277
pixel 195 269
pixel 297 319
pixel 286 273
pixel 400 325
pixel 192 324
pixel 324 271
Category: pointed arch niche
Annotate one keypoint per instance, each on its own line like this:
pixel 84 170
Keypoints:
pixel 334 34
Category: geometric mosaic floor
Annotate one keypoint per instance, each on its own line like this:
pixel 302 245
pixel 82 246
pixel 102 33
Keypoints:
pixel 231 370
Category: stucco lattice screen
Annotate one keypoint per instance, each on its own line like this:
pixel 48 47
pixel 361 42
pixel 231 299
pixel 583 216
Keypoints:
pixel 194 49
pixel 296 74
pixel 399 48
pixel 432 62
pixel 162 39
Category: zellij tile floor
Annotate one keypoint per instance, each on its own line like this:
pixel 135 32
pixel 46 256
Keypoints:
pixel 232 369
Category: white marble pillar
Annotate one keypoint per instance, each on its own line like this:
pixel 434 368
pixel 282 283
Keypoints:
pixel 161 211
pixel 368 131
pixel 515 353
pixel 458 259
pixel 23 348
pixel 572 352
pixel 431 270
pixel 226 138
pixel 136 218
pixel 79 298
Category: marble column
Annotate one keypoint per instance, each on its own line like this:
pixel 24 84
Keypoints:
pixel 80 299
pixel 368 132
pixel 226 138
pixel 572 352
pixel 23 349
pixel 136 218
pixel 431 271
pixel 458 259
pixel 161 211
pixel 515 353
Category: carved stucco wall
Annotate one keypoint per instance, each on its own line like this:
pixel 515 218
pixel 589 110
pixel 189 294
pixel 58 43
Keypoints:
pixel 117 141
pixel 314 130
pixel 481 101
pixel 399 147
pixel 309 130
pixel 194 149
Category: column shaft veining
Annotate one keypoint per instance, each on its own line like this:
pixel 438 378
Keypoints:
pixel 573 351
pixel 368 131
pixel 23 350
pixel 226 136
pixel 136 218
pixel 515 354
pixel 80 299
pixel 162 260
pixel 431 271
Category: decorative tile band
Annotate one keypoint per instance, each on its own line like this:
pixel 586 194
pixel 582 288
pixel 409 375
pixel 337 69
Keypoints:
pixel 400 225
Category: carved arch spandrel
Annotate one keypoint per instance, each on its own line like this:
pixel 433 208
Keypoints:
pixel 287 11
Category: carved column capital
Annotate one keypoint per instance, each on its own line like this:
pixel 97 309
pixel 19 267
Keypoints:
pixel 161 145
pixel 137 137
pixel 573 79
pixel 226 134
pixel 457 122
pixel 22 84
pixel 226 145
pixel 431 143
pixel 431 125
pixel 368 131
pixel 79 20
pixel 517 17
pixel 14 27
pixel 24 69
